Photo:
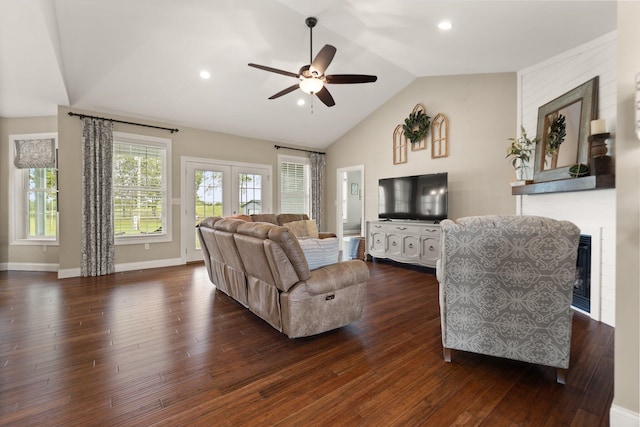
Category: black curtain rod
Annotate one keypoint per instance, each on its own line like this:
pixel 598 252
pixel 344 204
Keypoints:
pixel 298 149
pixel 82 116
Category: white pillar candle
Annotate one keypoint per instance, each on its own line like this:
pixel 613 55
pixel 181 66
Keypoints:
pixel 598 126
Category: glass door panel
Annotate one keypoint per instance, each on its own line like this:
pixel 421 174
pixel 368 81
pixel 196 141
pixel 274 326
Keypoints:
pixel 207 191
pixel 208 200
pixel 251 185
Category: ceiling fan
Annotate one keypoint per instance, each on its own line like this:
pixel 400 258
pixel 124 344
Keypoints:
pixel 311 77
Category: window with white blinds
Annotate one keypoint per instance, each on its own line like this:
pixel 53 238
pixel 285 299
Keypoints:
pixel 295 184
pixel 141 182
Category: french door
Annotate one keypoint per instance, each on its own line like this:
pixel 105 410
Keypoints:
pixel 217 188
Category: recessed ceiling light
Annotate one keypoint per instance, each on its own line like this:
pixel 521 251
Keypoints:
pixel 205 74
pixel 301 102
pixel 445 25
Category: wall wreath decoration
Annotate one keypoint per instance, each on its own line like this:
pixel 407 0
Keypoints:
pixel 416 126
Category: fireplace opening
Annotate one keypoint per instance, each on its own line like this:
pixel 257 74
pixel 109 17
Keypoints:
pixel 582 285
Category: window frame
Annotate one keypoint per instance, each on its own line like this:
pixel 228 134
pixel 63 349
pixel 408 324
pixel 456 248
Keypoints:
pixel 18 178
pixel 167 207
pixel 283 158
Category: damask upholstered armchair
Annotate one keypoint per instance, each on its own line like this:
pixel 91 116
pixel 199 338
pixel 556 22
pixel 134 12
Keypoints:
pixel 506 287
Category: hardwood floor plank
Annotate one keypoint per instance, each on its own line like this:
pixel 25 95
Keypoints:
pixel 163 347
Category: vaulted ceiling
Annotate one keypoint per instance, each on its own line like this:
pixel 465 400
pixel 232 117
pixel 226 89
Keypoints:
pixel 142 58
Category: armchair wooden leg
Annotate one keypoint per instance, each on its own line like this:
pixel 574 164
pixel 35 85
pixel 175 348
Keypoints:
pixel 447 354
pixel 561 374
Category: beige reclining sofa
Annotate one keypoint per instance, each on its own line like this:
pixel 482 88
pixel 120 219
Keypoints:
pixel 262 266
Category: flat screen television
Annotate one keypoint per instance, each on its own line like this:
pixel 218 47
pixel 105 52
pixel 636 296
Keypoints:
pixel 418 197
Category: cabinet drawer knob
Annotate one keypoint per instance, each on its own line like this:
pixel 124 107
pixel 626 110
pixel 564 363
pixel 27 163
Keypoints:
pixel 431 248
pixel 411 245
pixel 401 228
pixel 393 243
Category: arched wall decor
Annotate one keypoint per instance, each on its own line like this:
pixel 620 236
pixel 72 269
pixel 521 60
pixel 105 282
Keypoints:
pixel 399 146
pixel 440 136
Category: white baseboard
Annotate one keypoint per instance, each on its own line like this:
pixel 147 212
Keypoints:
pixel 148 264
pixel 27 266
pixel 75 272
pixel 68 272
pixel 4 266
pixel 621 417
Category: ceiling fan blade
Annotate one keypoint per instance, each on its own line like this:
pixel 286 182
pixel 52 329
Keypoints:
pixel 285 91
pixel 274 70
pixel 350 78
pixel 323 59
pixel 326 97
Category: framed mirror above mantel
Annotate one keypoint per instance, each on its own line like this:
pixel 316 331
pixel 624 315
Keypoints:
pixel 563 132
pixel 563 141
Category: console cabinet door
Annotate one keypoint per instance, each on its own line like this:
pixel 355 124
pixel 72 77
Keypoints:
pixel 394 241
pixel 430 250
pixel 377 245
pixel 411 247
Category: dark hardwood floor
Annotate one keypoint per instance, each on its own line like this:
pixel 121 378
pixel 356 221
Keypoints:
pixel 163 347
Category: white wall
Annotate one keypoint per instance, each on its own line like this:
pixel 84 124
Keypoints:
pixel 593 211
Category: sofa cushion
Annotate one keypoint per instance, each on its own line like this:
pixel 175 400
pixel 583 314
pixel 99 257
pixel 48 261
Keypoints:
pixel 291 248
pixel 303 229
pixel 284 218
pixel 245 218
pixel 265 217
pixel 320 252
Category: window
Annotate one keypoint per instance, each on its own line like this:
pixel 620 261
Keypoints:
pixel 250 193
pixel 33 189
pixel 295 184
pixel 141 182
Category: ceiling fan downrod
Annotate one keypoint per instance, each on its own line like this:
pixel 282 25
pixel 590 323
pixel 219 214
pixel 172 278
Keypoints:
pixel 311 22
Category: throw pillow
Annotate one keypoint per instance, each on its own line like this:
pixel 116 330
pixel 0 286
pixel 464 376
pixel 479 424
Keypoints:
pixel 303 229
pixel 320 252
pixel 312 228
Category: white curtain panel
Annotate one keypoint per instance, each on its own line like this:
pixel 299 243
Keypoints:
pixel 97 212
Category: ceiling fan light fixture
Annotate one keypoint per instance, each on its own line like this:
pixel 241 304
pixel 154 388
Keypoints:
pixel 311 85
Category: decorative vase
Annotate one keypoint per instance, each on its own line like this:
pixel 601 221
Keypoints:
pixel 522 171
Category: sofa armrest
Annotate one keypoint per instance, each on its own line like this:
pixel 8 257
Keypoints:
pixel 326 234
pixel 333 277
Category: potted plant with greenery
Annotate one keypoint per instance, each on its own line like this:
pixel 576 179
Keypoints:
pixel 520 151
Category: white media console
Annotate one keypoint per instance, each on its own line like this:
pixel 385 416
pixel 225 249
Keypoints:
pixel 411 242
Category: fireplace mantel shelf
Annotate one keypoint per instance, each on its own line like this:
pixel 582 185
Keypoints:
pixel 591 182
